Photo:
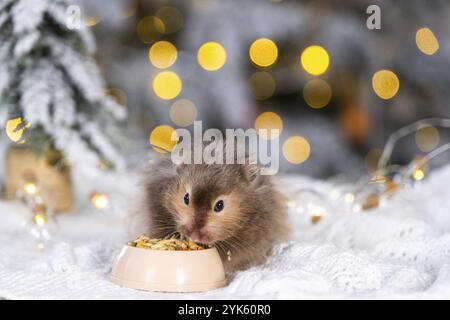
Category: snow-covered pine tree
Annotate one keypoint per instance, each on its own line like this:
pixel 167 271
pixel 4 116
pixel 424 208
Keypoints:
pixel 50 81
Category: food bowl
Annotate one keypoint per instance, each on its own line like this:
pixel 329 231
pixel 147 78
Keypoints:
pixel 169 271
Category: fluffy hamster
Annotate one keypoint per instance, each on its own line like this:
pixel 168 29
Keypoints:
pixel 230 206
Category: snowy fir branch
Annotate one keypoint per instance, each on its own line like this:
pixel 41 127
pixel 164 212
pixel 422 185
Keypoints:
pixel 49 78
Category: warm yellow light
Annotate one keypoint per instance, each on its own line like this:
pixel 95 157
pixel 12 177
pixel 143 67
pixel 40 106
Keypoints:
pixel 30 188
pixel 427 138
pixel 262 84
pixel 418 174
pixel 92 21
pixel 162 54
pixel 349 197
pixel 183 112
pixel 211 56
pixel 99 200
pixel 266 122
pixel 150 29
pixel 315 60
pixel 426 41
pixel 296 149
pixel 12 133
pixel 167 85
pixel 163 138
pixel 172 19
pixel 263 52
pixel 317 213
pixel 40 219
pixel 317 93
pixel 385 83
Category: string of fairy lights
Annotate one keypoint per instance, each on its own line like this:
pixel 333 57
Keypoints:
pixel 314 60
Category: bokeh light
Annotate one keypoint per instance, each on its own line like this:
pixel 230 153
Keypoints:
pixel 183 112
pixel 92 21
pixel 40 219
pixel 150 29
pixel 12 131
pixel 99 200
pixel 172 19
pixel 317 93
pixel 385 83
pixel 317 213
pixel 167 85
pixel 315 60
pixel 211 56
pixel 263 52
pixel 268 120
pixel 162 54
pixel 296 149
pixel 418 174
pixel 427 138
pixel 161 138
pixel 262 85
pixel 30 188
pixel 426 41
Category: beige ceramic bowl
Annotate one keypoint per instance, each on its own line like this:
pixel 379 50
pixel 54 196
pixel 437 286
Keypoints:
pixel 169 271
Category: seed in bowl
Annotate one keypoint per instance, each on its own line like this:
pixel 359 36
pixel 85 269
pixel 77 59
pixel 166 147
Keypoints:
pixel 172 243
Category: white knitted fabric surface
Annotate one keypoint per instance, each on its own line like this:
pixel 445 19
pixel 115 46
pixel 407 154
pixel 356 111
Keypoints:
pixel 401 250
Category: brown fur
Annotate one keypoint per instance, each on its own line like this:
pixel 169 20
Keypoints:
pixel 252 221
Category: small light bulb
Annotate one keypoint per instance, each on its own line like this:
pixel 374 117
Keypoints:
pixel 30 188
pixel 99 200
pixel 349 197
pixel 317 213
pixel 418 174
pixel 40 219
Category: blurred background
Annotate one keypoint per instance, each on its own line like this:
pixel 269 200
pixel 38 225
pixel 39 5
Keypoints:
pixel 311 68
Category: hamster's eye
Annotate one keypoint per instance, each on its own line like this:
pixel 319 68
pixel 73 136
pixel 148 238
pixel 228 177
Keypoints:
pixel 218 206
pixel 186 199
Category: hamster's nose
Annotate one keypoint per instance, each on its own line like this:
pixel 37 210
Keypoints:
pixel 195 236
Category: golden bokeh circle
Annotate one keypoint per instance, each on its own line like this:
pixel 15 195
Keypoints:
pixel 161 138
pixel 296 149
pixel 385 83
pixel 427 138
pixel 315 60
pixel 262 85
pixel 162 54
pixel 183 112
pixel 211 56
pixel 150 29
pixel 263 52
pixel 171 17
pixel 317 93
pixel 267 121
pixel 426 41
pixel 167 85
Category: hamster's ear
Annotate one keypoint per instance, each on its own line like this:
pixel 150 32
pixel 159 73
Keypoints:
pixel 253 174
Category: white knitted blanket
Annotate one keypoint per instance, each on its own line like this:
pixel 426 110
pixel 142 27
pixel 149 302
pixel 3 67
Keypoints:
pixel 401 250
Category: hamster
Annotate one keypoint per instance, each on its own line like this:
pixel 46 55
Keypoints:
pixel 230 206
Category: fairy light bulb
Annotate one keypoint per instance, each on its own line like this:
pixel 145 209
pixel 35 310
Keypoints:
pixel 40 219
pixel 317 213
pixel 30 188
pixel 418 174
pixel 349 197
pixel 99 200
